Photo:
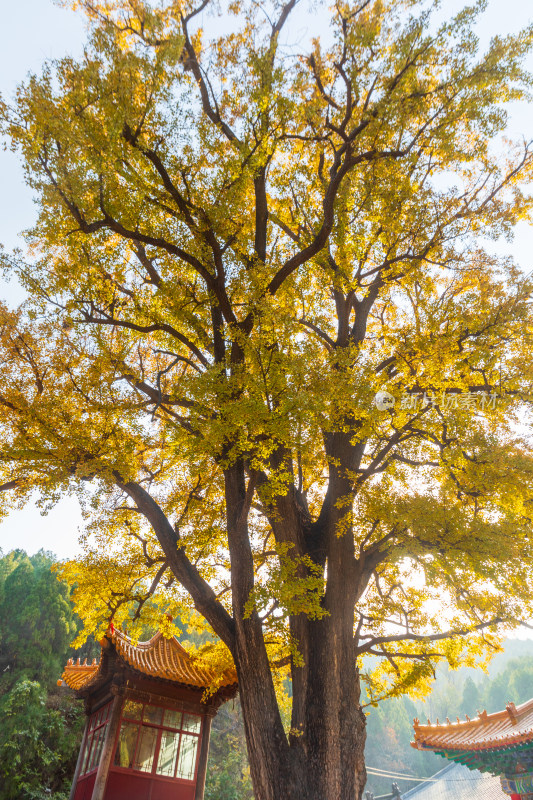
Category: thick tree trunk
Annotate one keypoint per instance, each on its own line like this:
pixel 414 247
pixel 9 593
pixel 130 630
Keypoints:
pixel 327 761
pixel 335 721
pixel 276 773
pixel 323 758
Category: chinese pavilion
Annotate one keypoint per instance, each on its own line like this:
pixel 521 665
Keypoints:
pixel 500 743
pixel 148 721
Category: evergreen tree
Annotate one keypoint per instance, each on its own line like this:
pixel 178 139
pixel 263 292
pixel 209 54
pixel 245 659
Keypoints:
pixel 38 743
pixel 41 725
pixel 37 622
pixel 470 698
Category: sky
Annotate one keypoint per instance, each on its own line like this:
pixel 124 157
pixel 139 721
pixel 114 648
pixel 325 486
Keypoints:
pixel 37 30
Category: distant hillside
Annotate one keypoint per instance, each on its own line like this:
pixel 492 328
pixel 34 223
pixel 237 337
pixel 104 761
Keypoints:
pixel 514 648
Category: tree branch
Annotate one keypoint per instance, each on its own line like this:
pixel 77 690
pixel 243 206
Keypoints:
pixel 14 484
pixel 203 596
pixel 190 61
pixel 120 323
pixel 416 637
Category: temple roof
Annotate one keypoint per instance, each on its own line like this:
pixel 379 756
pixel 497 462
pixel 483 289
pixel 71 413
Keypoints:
pixel 157 658
pixel 513 726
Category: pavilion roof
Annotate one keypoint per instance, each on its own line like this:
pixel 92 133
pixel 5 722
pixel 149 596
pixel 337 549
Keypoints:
pixel 510 727
pixel 158 658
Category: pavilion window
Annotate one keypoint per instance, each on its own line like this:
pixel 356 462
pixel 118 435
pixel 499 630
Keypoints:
pixel 166 764
pixel 158 740
pixel 187 760
pixel 95 739
pixel 146 749
pixel 127 744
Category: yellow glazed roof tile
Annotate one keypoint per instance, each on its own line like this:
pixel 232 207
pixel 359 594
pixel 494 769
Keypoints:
pixel 76 674
pixel 512 726
pixel 158 658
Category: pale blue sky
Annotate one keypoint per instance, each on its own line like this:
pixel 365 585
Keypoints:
pixel 35 30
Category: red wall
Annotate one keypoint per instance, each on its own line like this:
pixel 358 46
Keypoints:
pixel 121 786
pixel 84 787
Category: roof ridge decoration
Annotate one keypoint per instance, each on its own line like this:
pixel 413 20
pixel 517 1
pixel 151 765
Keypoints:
pixel 159 657
pixel 115 635
pixel 513 712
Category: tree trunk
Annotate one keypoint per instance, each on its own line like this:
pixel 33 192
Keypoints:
pixel 335 721
pixel 323 758
pixel 327 761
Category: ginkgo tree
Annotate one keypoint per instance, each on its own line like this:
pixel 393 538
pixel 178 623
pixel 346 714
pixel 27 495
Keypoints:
pixel 267 343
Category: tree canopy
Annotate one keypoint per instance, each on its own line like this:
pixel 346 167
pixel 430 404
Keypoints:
pixel 264 327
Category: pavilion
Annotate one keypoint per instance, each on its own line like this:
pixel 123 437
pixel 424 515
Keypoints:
pixel 500 744
pixel 148 720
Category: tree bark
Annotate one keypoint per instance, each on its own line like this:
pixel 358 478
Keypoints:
pixel 325 757
pixel 265 737
pixel 326 762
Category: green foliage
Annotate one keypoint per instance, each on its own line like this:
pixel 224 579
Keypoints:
pixel 36 620
pixel 39 742
pixel 41 725
pixel 228 774
pixel 470 697
pixel 514 683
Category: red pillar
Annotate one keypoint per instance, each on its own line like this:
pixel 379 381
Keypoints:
pixel 107 750
pixel 202 758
